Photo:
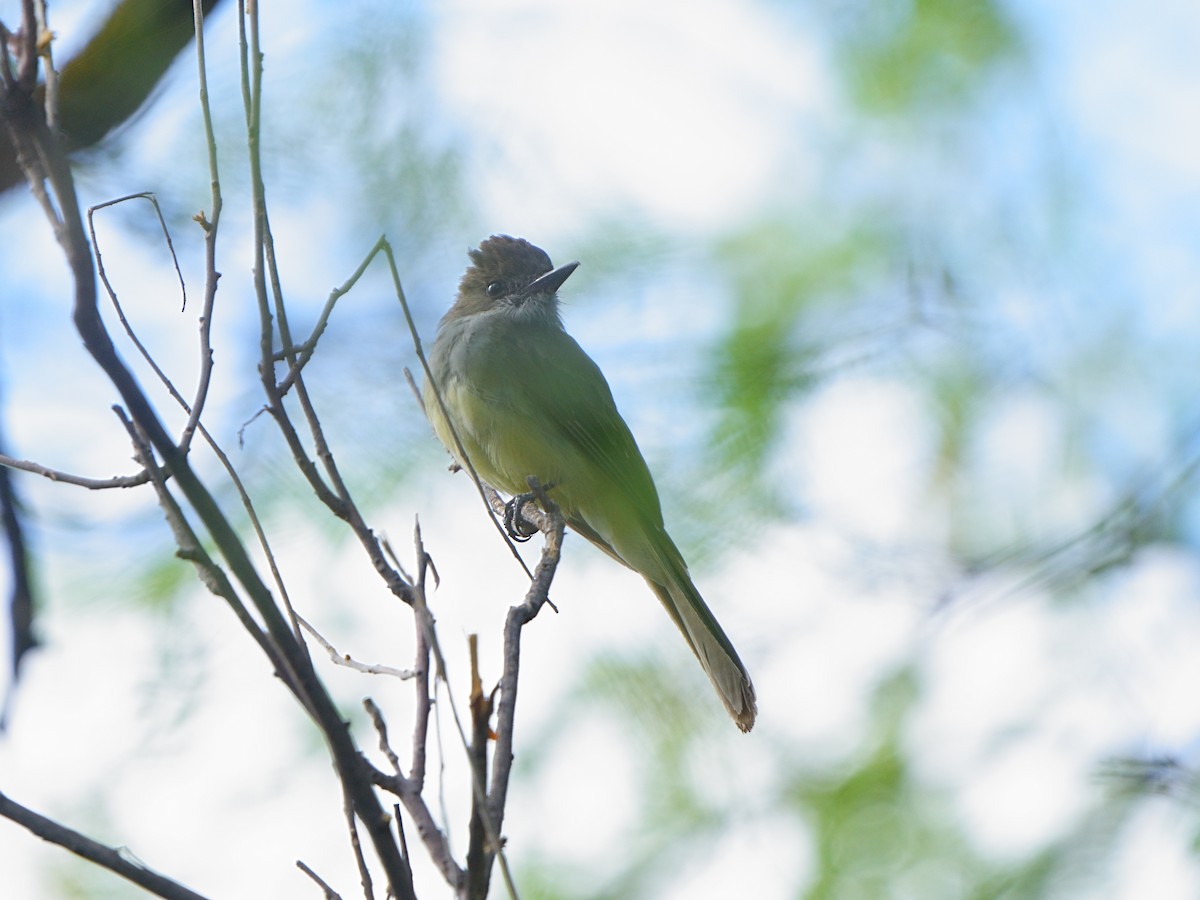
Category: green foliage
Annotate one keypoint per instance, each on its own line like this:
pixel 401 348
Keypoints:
pixel 787 278
pixel 909 58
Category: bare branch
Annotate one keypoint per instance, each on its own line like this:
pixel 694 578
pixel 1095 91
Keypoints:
pixel 409 793
pixel 330 893
pixel 116 860
pixel 348 661
pixel 297 361
pixel 424 699
pixel 92 484
pixel 482 834
pixel 518 617
pixel 364 873
pixel 210 225
pixel 385 746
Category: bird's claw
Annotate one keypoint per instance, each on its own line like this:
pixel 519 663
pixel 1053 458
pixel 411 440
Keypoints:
pixel 518 527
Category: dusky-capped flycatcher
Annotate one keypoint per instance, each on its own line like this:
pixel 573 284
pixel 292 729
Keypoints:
pixel 526 400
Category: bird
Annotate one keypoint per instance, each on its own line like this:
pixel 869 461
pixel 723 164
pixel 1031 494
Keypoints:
pixel 524 399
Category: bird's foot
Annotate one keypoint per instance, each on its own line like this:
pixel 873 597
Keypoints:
pixel 518 527
pixel 516 524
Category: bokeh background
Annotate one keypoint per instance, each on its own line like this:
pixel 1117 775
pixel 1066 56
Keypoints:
pixel 901 300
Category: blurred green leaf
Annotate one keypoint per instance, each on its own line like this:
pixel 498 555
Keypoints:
pixel 903 58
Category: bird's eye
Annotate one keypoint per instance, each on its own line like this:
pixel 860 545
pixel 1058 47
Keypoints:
pixel 495 289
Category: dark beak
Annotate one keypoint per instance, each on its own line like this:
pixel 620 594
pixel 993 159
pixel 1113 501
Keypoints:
pixel 552 280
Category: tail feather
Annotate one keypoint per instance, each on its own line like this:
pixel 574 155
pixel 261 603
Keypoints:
pixel 657 559
pixel 712 648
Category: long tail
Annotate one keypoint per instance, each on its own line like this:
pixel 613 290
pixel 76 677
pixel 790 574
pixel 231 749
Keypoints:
pixel 714 650
pixel 665 571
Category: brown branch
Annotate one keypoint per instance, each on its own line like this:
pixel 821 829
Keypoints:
pixel 330 893
pixel 117 860
pixel 518 617
pixel 364 872
pixel 480 832
pixel 210 224
pixel 436 843
pixel 424 626
pixel 297 361
pixel 92 484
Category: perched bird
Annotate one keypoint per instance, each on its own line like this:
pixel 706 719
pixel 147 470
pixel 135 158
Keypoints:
pixel 525 400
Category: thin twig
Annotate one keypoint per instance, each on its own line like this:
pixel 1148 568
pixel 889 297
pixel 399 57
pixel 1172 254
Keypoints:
pixel 45 45
pixel 92 484
pixel 116 301
pixel 481 833
pixel 162 224
pixel 435 840
pixel 403 844
pixel 330 893
pixel 364 873
pixel 424 699
pixel 343 659
pixel 297 361
pixel 210 225
pixel 385 745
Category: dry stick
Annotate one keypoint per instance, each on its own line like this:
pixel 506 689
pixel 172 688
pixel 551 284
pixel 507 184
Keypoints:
pixel 297 361
pixel 478 870
pixel 434 839
pixel 162 224
pixel 195 408
pixel 518 617
pixel 337 498
pixel 410 789
pixel 92 484
pixel 210 226
pixel 330 893
pixel 364 872
pixel 116 860
pixel 478 788
pixel 488 806
pixel 403 843
pixel 344 659
pixel 352 768
pixel 385 746
pixel 420 737
pixel 115 300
